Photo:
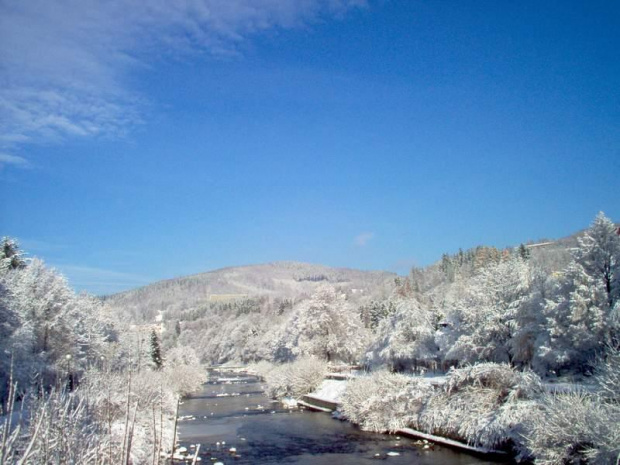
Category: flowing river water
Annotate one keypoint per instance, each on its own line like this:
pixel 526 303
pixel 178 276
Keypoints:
pixel 233 412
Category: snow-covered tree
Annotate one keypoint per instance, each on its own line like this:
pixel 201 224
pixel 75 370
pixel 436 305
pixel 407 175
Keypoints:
pixel 576 323
pixel 523 252
pixel 406 336
pixel 45 321
pixel 44 299
pixel 327 326
pixel 10 323
pixel 487 317
pixel 599 254
pixel 11 257
pixel 374 311
pixel 155 351
pixel 582 311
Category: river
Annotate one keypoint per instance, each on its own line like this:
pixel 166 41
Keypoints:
pixel 232 412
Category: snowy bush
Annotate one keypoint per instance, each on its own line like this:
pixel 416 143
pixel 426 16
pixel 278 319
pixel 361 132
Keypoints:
pixel 103 421
pixel 113 416
pixel 383 401
pixel 581 426
pixel 84 393
pixel 55 428
pixel 295 379
pixel 137 404
pixel 476 416
pixel 496 376
pixel 607 375
pixel 486 405
pixel 572 428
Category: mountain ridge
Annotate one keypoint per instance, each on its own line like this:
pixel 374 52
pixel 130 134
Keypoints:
pixel 279 279
pixel 286 279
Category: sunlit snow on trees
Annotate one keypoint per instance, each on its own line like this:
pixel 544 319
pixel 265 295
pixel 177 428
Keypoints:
pixel 507 321
pixel 75 382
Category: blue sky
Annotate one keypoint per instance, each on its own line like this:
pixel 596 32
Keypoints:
pixel 147 140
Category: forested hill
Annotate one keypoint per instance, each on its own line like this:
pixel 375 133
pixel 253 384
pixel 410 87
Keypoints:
pixel 278 280
pixel 286 280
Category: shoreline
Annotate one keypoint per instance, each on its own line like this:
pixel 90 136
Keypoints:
pixel 330 406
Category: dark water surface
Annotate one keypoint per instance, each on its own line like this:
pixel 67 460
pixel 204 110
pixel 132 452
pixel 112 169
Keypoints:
pixel 233 412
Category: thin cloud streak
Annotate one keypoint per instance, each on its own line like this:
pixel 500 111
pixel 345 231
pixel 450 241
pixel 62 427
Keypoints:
pixel 14 160
pixel 362 240
pixel 64 64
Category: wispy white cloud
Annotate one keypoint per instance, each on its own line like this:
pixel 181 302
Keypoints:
pixel 64 65
pixel 361 240
pixel 14 160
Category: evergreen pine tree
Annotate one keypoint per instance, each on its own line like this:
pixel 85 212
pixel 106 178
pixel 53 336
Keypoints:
pixel 524 252
pixel 156 351
pixel 11 257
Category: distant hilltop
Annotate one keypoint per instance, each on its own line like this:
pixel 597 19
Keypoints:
pixel 295 280
pixel 275 280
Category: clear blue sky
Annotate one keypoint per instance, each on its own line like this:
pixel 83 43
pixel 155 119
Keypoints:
pixel 148 140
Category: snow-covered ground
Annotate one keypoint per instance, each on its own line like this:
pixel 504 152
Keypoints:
pixel 330 390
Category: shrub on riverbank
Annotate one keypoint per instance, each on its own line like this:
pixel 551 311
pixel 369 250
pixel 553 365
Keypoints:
pixel 485 405
pixel 113 416
pixel 578 426
pixel 384 401
pixel 105 420
pixel 295 379
pixel 52 427
pixel 575 428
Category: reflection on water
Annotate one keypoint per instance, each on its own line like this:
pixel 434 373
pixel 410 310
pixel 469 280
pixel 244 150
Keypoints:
pixel 232 412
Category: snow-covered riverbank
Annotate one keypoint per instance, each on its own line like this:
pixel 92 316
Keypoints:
pixel 237 415
pixel 484 408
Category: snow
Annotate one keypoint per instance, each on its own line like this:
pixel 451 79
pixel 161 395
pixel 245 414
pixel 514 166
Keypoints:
pixel 289 402
pixel 314 407
pixel 330 390
pixel 431 378
pixel 234 380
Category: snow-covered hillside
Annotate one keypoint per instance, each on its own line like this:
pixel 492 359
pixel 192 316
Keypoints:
pixel 278 280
